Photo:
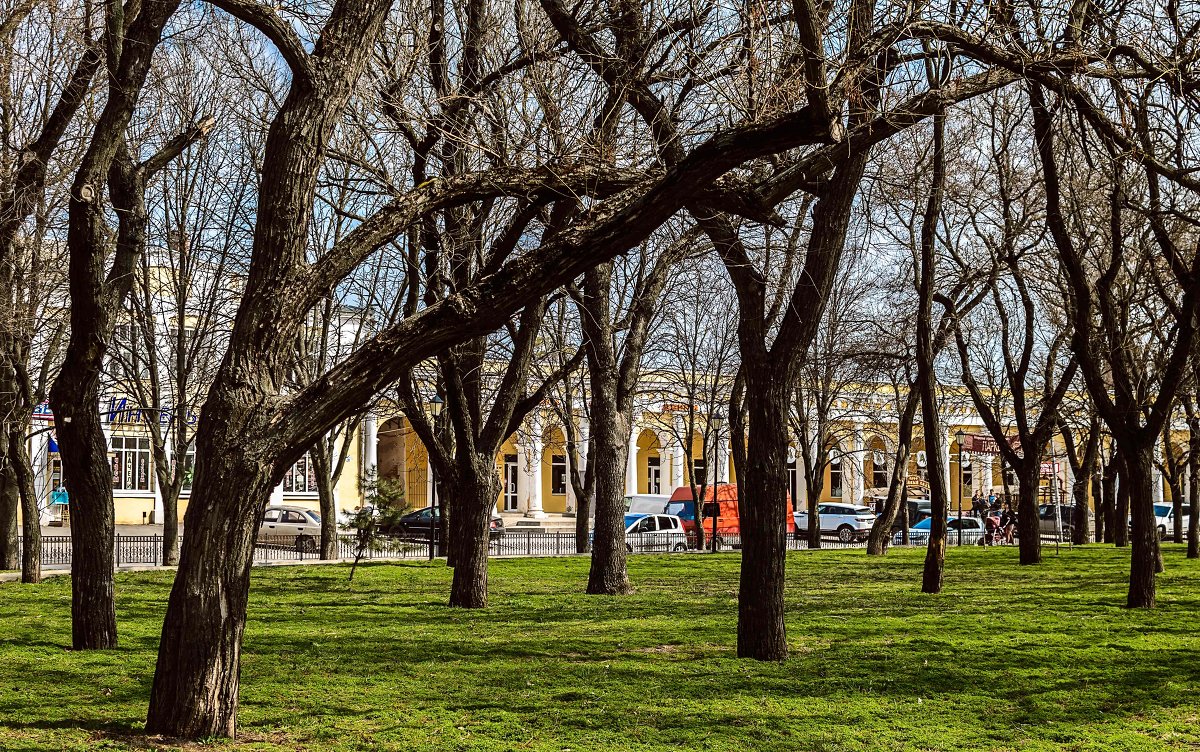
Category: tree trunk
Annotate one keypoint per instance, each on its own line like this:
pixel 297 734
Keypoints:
pixel 1108 490
pixel 1193 535
pixel 1080 528
pixel 88 480
pixel 812 493
pixel 1176 508
pixel 10 502
pixel 475 498
pixel 610 434
pixel 763 509
pixel 31 523
pixel 1137 480
pixel 322 466
pixel 1029 532
pixel 170 523
pixel 1098 500
pixel 881 529
pixel 195 690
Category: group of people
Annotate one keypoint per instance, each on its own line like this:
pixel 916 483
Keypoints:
pixel 999 518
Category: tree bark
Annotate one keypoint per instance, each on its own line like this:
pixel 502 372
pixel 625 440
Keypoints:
pixel 195 689
pixel 763 509
pixel 1137 480
pixel 610 436
pixel 88 479
pixel 1108 489
pixel 1121 521
pixel 881 529
pixel 1193 535
pixel 10 502
pixel 475 495
pixel 31 523
pixel 1029 531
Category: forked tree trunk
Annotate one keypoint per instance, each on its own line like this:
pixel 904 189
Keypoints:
pixel 610 432
pixel 1137 479
pixel 881 529
pixel 475 498
pixel 763 509
pixel 31 523
pixel 88 479
pixel 1029 532
pixel 195 690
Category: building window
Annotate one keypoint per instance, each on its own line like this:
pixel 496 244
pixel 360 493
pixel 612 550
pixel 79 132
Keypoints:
pixel 558 474
pixel 879 474
pixel 189 469
pixel 130 463
pixel 835 477
pixel 968 478
pixel 301 478
pixel 699 472
pixel 653 475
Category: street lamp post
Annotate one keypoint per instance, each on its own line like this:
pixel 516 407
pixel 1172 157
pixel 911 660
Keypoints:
pixel 716 419
pixel 961 438
pixel 435 409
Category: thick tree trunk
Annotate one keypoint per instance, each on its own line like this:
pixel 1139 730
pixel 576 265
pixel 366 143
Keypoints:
pixel 1101 510
pixel 475 498
pixel 195 690
pixel 88 480
pixel 31 523
pixel 10 502
pixel 1137 479
pixel 881 529
pixel 762 507
pixel 610 434
pixel 1028 526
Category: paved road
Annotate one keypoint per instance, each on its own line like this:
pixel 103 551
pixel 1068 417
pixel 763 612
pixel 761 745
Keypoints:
pixel 120 530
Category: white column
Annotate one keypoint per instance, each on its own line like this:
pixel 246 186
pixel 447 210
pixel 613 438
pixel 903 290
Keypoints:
pixel 430 491
pixel 854 461
pixel 570 485
pixel 990 466
pixel 1157 494
pixel 631 467
pixel 946 464
pixel 677 476
pixel 531 468
pixel 723 459
pixel 41 471
pixel 370 439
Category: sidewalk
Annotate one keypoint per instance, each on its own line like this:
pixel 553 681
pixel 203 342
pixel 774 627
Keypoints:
pixel 65 532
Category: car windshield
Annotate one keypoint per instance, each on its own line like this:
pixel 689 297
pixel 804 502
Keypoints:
pixel 1162 510
pixel 675 507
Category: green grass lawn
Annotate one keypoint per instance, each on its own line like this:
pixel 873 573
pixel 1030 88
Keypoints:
pixel 1007 657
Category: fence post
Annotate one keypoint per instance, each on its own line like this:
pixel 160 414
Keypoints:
pixel 528 542
pixel 557 542
pixel 117 541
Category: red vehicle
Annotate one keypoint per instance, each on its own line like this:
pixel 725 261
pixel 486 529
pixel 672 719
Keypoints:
pixel 724 508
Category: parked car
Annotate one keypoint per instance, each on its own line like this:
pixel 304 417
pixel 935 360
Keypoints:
pixel 918 534
pixel 656 532
pixel 721 504
pixel 416 525
pixel 849 522
pixel 640 505
pixel 1164 518
pixel 291 526
pixel 918 509
pixel 1047 521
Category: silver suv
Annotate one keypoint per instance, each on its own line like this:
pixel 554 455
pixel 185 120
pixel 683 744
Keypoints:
pixel 291 527
pixel 850 522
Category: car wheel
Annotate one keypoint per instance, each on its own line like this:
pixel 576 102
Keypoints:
pixel 1162 532
pixel 305 544
pixel 845 534
pixel 679 547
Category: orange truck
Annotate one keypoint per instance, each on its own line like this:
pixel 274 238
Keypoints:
pixel 724 507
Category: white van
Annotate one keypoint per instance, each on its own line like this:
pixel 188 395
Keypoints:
pixel 646 504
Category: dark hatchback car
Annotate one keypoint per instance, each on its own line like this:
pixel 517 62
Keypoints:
pixel 417 524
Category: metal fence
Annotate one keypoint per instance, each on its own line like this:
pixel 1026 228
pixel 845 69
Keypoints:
pixel 131 550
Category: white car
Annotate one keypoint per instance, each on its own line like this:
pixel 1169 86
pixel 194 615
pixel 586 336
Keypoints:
pixel 850 522
pixel 656 532
pixel 1164 518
